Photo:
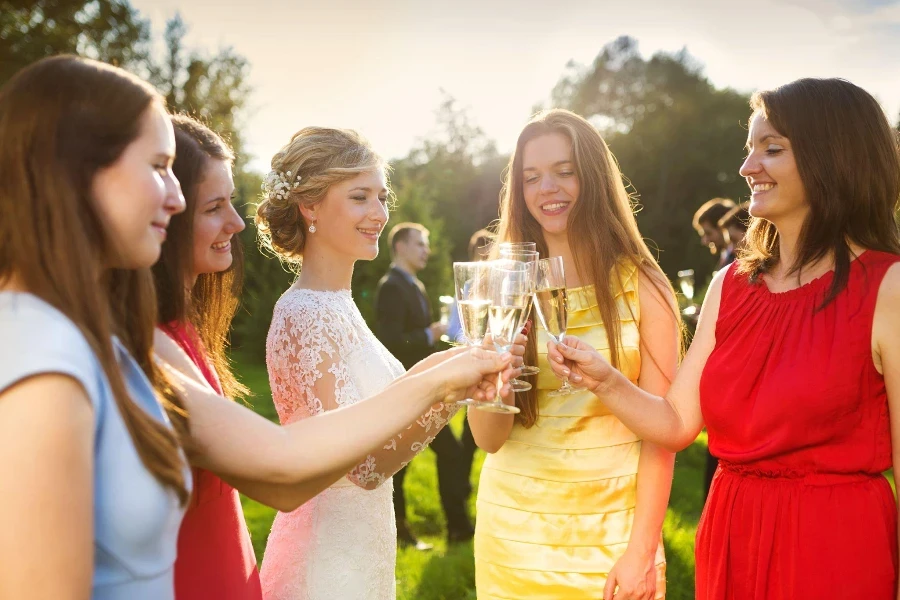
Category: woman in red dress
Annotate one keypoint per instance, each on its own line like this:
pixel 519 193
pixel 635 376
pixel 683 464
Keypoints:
pixel 197 280
pixel 795 367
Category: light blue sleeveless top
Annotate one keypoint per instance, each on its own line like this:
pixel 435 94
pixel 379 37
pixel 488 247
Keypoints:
pixel 136 519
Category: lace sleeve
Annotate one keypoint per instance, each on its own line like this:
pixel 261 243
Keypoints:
pixel 309 354
pixel 402 448
pixel 305 358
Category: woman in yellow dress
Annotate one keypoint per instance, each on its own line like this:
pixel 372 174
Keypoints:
pixel 571 503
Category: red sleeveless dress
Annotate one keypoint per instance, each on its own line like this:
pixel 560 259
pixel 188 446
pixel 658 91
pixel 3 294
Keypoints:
pixel 215 557
pixel 798 416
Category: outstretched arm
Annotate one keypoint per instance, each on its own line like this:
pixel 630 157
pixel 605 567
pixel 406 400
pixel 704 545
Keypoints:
pixel 285 466
pixel 673 421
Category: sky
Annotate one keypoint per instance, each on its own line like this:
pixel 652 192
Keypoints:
pixel 383 67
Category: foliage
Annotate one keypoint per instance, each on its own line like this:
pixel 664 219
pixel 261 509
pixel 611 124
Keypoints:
pixel 678 139
pixel 107 30
pixel 212 88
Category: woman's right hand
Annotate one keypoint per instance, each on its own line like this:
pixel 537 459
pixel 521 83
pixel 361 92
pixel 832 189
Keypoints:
pixel 580 363
pixel 472 373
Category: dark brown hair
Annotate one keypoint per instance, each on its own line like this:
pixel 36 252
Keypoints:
pixel 63 119
pixel 711 212
pixel 602 230
pixel 210 305
pixel 847 157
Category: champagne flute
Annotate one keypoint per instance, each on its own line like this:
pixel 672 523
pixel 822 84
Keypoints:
pixel 529 246
pixel 472 285
pixel 552 306
pixel 530 259
pixel 510 285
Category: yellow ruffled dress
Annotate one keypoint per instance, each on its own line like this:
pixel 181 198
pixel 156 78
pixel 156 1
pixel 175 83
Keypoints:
pixel 556 502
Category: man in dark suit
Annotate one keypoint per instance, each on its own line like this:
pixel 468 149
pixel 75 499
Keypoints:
pixel 406 328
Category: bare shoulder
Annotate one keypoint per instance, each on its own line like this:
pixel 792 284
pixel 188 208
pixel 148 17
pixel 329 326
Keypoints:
pixel 886 321
pixel 655 293
pixel 714 292
pixel 890 285
pixel 887 305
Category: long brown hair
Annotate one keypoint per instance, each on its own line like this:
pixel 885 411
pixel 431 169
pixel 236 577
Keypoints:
pixel 213 301
pixel 63 119
pixel 848 161
pixel 602 230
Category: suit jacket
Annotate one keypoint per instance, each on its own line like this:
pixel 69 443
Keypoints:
pixel 401 318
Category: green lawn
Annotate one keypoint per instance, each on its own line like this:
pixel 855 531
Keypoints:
pixel 449 574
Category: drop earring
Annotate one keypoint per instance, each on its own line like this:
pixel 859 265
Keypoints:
pixel 312 227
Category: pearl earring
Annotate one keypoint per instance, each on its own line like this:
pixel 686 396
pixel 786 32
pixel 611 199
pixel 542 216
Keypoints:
pixel 312 228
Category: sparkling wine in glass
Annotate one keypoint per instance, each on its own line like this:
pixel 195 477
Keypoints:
pixel 472 286
pixel 511 286
pixel 530 259
pixel 552 307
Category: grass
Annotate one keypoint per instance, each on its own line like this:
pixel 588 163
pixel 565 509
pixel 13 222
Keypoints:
pixel 449 573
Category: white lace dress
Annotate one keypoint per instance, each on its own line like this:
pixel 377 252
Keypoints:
pixel 341 545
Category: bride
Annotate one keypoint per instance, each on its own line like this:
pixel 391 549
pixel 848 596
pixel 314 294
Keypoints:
pixel 326 204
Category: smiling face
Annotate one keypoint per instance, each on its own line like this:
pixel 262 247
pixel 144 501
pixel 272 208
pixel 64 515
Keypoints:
pixel 138 194
pixel 771 172
pixel 549 181
pixel 216 221
pixel 350 218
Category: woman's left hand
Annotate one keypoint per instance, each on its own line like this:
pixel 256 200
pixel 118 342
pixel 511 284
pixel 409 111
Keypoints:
pixel 635 576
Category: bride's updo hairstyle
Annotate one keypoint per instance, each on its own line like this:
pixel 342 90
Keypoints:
pixel 302 171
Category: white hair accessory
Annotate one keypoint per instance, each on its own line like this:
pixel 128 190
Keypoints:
pixel 278 185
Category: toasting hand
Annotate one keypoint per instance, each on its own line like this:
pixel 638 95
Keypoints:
pixel 581 363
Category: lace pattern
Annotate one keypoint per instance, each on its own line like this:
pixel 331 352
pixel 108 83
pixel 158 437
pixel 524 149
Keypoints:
pixel 321 356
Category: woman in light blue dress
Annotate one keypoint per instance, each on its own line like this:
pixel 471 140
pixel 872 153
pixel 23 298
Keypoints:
pixel 89 453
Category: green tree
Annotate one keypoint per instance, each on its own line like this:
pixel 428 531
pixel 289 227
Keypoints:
pixel 213 87
pixel 678 139
pixel 107 30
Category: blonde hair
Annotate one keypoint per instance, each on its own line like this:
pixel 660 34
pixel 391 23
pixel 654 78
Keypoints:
pixel 320 157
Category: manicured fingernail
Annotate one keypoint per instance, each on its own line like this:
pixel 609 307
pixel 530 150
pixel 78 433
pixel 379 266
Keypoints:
pixel 560 359
pixel 566 372
pixel 576 378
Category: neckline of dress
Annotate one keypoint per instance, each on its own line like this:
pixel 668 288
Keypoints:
pixel 813 286
pixel 341 292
